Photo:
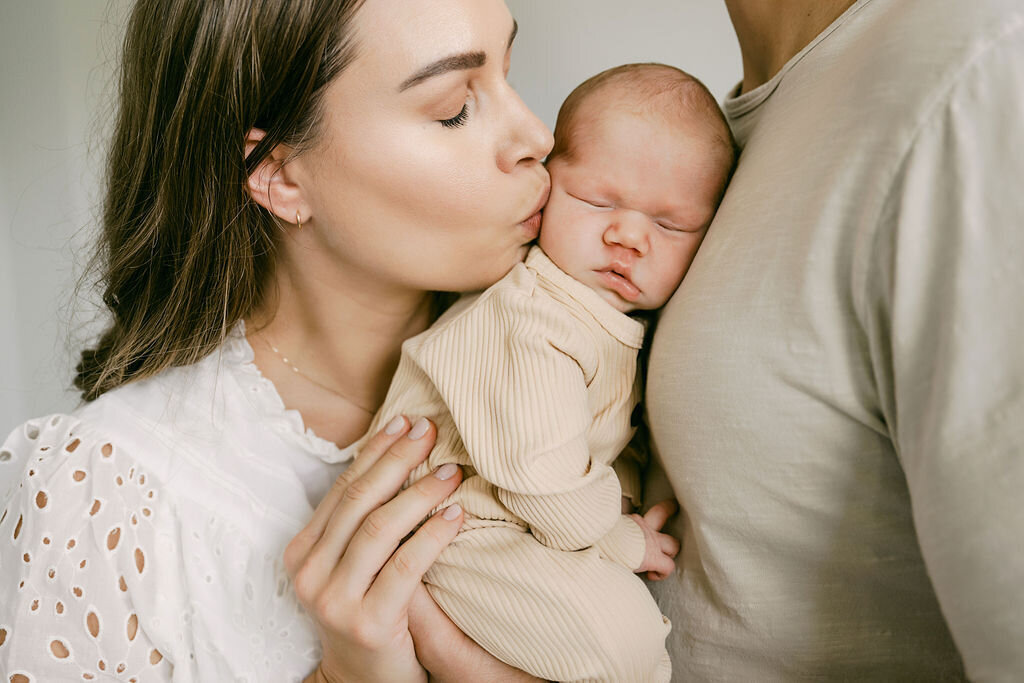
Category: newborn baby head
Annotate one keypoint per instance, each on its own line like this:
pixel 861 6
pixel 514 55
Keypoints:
pixel 641 159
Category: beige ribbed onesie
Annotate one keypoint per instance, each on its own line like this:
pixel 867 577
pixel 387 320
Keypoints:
pixel 532 384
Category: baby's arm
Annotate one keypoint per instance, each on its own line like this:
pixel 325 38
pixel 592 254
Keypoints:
pixel 514 377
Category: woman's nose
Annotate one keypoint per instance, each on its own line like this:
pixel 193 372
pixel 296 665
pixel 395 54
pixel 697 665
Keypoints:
pixel 629 231
pixel 527 140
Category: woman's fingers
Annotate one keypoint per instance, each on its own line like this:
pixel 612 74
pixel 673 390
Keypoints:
pixel 382 531
pixel 396 585
pixel 660 513
pixel 299 547
pixel 372 452
pixel 360 497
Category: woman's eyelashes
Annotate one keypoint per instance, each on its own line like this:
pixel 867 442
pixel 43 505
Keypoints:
pixel 458 120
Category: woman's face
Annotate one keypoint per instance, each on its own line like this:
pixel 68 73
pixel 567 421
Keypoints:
pixel 428 173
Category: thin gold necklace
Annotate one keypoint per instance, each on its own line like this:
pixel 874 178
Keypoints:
pixel 300 373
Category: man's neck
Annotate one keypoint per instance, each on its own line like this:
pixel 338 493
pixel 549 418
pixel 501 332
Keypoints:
pixel 772 33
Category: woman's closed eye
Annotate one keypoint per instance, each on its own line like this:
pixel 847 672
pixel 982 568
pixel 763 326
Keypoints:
pixel 458 120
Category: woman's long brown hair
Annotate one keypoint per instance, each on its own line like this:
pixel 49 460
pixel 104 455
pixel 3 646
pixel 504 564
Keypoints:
pixel 184 252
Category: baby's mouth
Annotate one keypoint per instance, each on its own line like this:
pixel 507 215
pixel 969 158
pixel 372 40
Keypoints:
pixel 618 278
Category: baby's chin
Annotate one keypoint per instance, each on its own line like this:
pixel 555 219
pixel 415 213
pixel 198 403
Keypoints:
pixel 617 302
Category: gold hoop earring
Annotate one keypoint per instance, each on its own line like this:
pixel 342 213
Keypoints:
pixel 298 219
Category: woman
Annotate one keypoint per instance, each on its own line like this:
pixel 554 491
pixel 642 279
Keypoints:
pixel 289 184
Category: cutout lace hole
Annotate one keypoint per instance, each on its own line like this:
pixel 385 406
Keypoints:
pixel 55 421
pixel 155 657
pixel 92 622
pixel 32 432
pixel 5 456
pixel 122 585
pixel 70 448
pixel 3 636
pixel 77 590
pixel 59 608
pixel 140 560
pixel 19 678
pixel 107 450
pixel 27 558
pixel 133 627
pixel 17 527
pixel 119 480
pixel 95 507
pixel 59 649
pixel 46 540
pixel 35 605
pixel 79 475
pixel 113 538
pixel 41 499
pixel 51 573
pixel 71 543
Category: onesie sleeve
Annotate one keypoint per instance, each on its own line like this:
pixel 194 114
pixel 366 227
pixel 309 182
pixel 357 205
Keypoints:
pixel 631 464
pixel 944 315
pixel 73 555
pixel 519 400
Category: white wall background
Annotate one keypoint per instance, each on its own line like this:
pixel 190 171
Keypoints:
pixel 56 64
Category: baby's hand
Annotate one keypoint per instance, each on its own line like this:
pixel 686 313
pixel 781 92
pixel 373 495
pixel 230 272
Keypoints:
pixel 661 548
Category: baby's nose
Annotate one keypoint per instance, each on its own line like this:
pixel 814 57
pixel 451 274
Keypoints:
pixel 629 230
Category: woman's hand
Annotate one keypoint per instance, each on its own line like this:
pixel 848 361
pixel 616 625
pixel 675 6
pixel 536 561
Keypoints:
pixel 347 566
pixel 448 653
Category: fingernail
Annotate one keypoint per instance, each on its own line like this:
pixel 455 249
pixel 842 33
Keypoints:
pixel 419 429
pixel 452 511
pixel 446 471
pixel 395 425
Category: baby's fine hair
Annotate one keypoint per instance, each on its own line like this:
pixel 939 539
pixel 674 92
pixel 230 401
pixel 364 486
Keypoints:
pixel 649 89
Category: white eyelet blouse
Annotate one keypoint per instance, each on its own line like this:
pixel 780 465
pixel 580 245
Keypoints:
pixel 144 539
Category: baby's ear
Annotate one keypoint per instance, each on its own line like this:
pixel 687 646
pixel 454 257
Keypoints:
pixel 270 184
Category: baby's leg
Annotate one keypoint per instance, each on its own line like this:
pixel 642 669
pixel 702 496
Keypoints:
pixel 563 616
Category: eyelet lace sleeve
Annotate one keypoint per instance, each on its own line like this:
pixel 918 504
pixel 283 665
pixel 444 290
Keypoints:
pixel 76 539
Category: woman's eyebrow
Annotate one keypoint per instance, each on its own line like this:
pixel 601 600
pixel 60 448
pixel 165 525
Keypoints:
pixel 460 62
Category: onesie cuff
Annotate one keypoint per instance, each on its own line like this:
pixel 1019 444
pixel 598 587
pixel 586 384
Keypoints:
pixel 624 544
pixel 627 470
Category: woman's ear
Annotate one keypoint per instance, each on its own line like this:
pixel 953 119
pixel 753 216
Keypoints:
pixel 272 186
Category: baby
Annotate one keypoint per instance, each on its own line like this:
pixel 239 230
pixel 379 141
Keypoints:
pixel 532 385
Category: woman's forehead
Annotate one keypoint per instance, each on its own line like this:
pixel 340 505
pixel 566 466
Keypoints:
pixel 398 38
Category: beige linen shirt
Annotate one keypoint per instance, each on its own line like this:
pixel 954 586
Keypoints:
pixel 837 389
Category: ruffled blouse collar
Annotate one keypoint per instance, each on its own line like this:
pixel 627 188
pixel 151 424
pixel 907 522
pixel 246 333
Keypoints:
pixel 238 357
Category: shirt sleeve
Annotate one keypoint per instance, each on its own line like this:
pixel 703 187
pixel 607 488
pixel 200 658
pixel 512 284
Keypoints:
pixel 945 321
pixel 514 377
pixel 72 556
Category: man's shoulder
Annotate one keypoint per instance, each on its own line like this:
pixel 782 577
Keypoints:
pixel 911 47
